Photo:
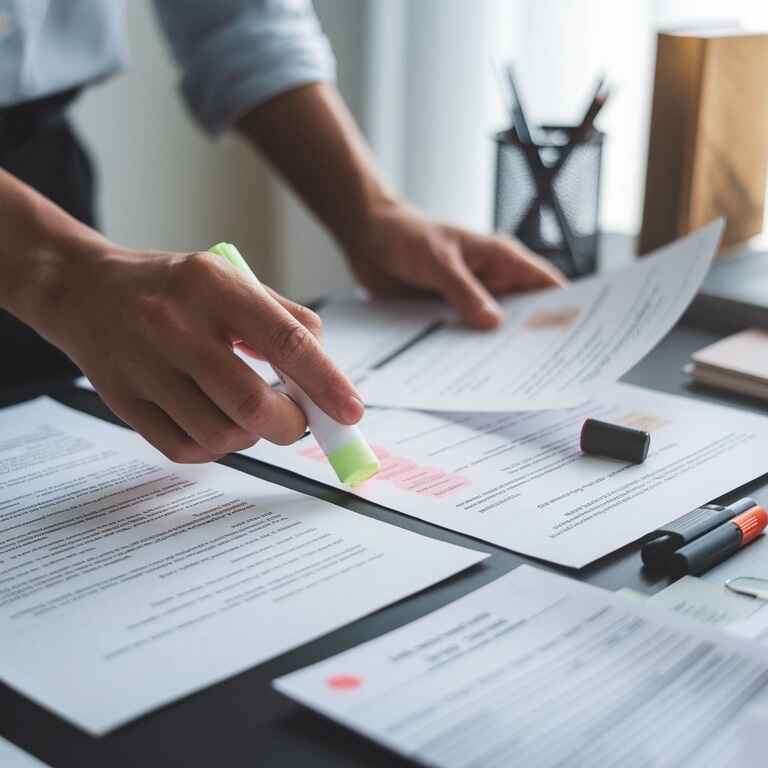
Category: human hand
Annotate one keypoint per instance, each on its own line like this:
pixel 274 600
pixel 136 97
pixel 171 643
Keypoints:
pixel 399 251
pixel 154 331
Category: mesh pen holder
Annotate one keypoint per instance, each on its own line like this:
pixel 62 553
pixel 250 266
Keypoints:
pixel 574 174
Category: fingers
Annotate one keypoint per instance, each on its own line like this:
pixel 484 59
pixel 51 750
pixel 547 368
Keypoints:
pixel 161 431
pixel 200 418
pixel 507 265
pixel 265 325
pixel 467 295
pixel 304 315
pixel 247 400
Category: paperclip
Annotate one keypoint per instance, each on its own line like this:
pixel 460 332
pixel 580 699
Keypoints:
pixel 749 585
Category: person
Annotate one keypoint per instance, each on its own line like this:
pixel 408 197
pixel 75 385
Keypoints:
pixel 154 330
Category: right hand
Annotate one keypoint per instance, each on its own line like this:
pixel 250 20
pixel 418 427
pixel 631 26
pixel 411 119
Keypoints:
pixel 154 331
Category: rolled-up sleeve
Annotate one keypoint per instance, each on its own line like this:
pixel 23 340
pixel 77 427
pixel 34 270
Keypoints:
pixel 236 54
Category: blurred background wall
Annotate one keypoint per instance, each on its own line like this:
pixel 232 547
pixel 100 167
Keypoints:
pixel 418 75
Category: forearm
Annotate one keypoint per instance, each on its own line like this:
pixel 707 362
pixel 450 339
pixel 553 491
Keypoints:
pixel 309 137
pixel 36 238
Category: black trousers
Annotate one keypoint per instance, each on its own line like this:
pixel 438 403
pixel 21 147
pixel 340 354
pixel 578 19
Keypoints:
pixel 40 148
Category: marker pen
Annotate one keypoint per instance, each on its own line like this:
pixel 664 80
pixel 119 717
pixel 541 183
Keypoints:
pixel 347 450
pixel 717 545
pixel 657 551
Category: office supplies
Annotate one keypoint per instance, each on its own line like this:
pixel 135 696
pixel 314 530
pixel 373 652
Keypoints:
pixel 598 101
pixel 348 453
pixel 551 206
pixel 719 544
pixel 540 175
pixel 708 142
pixel 749 585
pixel 555 348
pixel 579 134
pixel 738 363
pixel 519 480
pixel 129 581
pixel 614 441
pixel 13 757
pixel 536 669
pixel 656 552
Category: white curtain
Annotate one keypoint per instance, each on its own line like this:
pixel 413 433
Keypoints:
pixel 432 100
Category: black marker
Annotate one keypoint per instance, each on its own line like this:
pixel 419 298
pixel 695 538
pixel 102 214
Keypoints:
pixel 689 527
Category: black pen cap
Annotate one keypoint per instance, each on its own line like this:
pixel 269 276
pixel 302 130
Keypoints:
pixel 614 441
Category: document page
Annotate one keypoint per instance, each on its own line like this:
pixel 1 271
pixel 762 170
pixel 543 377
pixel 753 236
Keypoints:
pixel 127 581
pixel 539 670
pixel 13 757
pixel 555 348
pixel 519 480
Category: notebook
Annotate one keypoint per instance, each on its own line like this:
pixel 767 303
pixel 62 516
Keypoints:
pixel 738 363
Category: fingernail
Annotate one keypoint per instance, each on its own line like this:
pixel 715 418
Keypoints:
pixel 353 409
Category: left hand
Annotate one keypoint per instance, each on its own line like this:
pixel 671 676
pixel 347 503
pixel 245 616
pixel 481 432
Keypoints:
pixel 400 251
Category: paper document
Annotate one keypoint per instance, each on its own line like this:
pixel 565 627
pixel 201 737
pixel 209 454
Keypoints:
pixel 539 670
pixel 127 581
pixel 13 757
pixel 705 602
pixel 555 348
pixel 755 626
pixel 357 334
pixel 519 480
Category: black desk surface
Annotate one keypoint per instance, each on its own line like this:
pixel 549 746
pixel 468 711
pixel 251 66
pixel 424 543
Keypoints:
pixel 241 721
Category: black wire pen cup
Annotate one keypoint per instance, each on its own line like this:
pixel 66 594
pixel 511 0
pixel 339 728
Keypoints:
pixel 523 205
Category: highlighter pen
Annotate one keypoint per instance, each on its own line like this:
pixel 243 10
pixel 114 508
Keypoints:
pixel 717 545
pixel 347 450
pixel 690 526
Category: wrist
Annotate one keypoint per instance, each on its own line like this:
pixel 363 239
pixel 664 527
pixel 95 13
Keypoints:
pixel 362 226
pixel 39 277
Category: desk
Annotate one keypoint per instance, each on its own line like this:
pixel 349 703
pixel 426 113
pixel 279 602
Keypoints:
pixel 241 721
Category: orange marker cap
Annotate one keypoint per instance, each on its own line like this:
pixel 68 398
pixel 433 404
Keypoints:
pixel 751 523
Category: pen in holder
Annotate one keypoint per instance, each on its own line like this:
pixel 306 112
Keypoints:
pixel 528 195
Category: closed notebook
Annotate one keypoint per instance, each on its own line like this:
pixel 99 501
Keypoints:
pixel 738 363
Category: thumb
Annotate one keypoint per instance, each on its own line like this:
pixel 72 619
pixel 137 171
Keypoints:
pixel 468 296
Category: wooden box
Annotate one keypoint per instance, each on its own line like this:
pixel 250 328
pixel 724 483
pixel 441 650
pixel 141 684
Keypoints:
pixel 708 148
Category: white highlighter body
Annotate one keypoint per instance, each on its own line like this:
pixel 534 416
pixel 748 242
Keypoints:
pixel 345 446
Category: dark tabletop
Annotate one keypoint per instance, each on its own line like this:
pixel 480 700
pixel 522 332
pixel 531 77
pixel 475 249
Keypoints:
pixel 242 721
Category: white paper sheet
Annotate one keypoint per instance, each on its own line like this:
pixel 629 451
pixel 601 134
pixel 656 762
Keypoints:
pixel 357 334
pixel 555 348
pixel 539 670
pixel 127 581
pixel 705 602
pixel 13 757
pixel 755 626
pixel 519 480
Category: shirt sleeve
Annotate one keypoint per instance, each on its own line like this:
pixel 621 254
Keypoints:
pixel 236 54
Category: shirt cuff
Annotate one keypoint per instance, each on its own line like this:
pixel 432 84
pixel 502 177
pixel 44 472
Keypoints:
pixel 248 62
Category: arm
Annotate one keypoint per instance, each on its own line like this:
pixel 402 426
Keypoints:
pixel 311 139
pixel 266 68
pixel 154 330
